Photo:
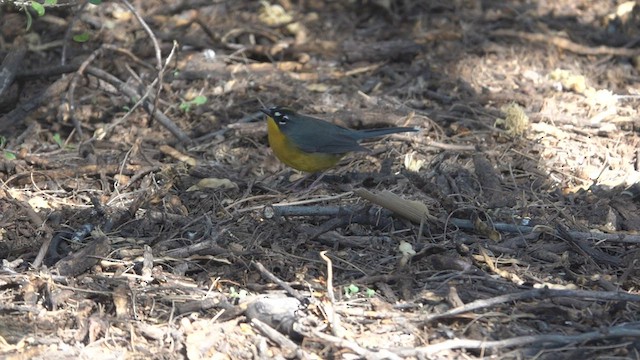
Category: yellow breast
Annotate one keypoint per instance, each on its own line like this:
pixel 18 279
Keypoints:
pixel 291 155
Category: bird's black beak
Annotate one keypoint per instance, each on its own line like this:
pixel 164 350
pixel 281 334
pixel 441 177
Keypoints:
pixel 266 111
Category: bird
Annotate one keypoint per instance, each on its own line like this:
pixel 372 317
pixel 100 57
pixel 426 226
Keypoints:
pixel 310 144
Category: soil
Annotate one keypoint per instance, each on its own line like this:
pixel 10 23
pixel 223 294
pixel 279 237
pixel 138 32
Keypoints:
pixel 143 215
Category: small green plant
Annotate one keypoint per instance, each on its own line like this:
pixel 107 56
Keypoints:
pixel 351 290
pixel 237 294
pixel 8 155
pixel 81 38
pixel 58 140
pixel 197 101
pixel 38 8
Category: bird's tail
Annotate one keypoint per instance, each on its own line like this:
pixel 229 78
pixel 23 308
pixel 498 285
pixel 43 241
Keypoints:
pixel 371 133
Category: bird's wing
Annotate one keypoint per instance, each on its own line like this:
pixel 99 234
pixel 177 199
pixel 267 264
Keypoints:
pixel 313 135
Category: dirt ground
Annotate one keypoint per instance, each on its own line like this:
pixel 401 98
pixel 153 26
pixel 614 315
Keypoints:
pixel 143 215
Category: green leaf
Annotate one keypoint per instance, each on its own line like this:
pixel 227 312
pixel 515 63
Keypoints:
pixel 81 38
pixel 58 140
pixel 199 100
pixel 185 106
pixel 351 290
pixel 39 9
pixel 95 2
pixel 50 2
pixel 8 155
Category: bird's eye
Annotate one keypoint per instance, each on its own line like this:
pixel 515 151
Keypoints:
pixel 283 120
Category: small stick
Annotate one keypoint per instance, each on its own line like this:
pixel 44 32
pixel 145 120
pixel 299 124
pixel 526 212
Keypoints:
pixel 289 348
pixel 533 294
pixel 269 276
pixel 332 317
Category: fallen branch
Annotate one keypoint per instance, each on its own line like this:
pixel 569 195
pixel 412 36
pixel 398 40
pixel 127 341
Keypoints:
pixel 533 294
pixel 567 44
